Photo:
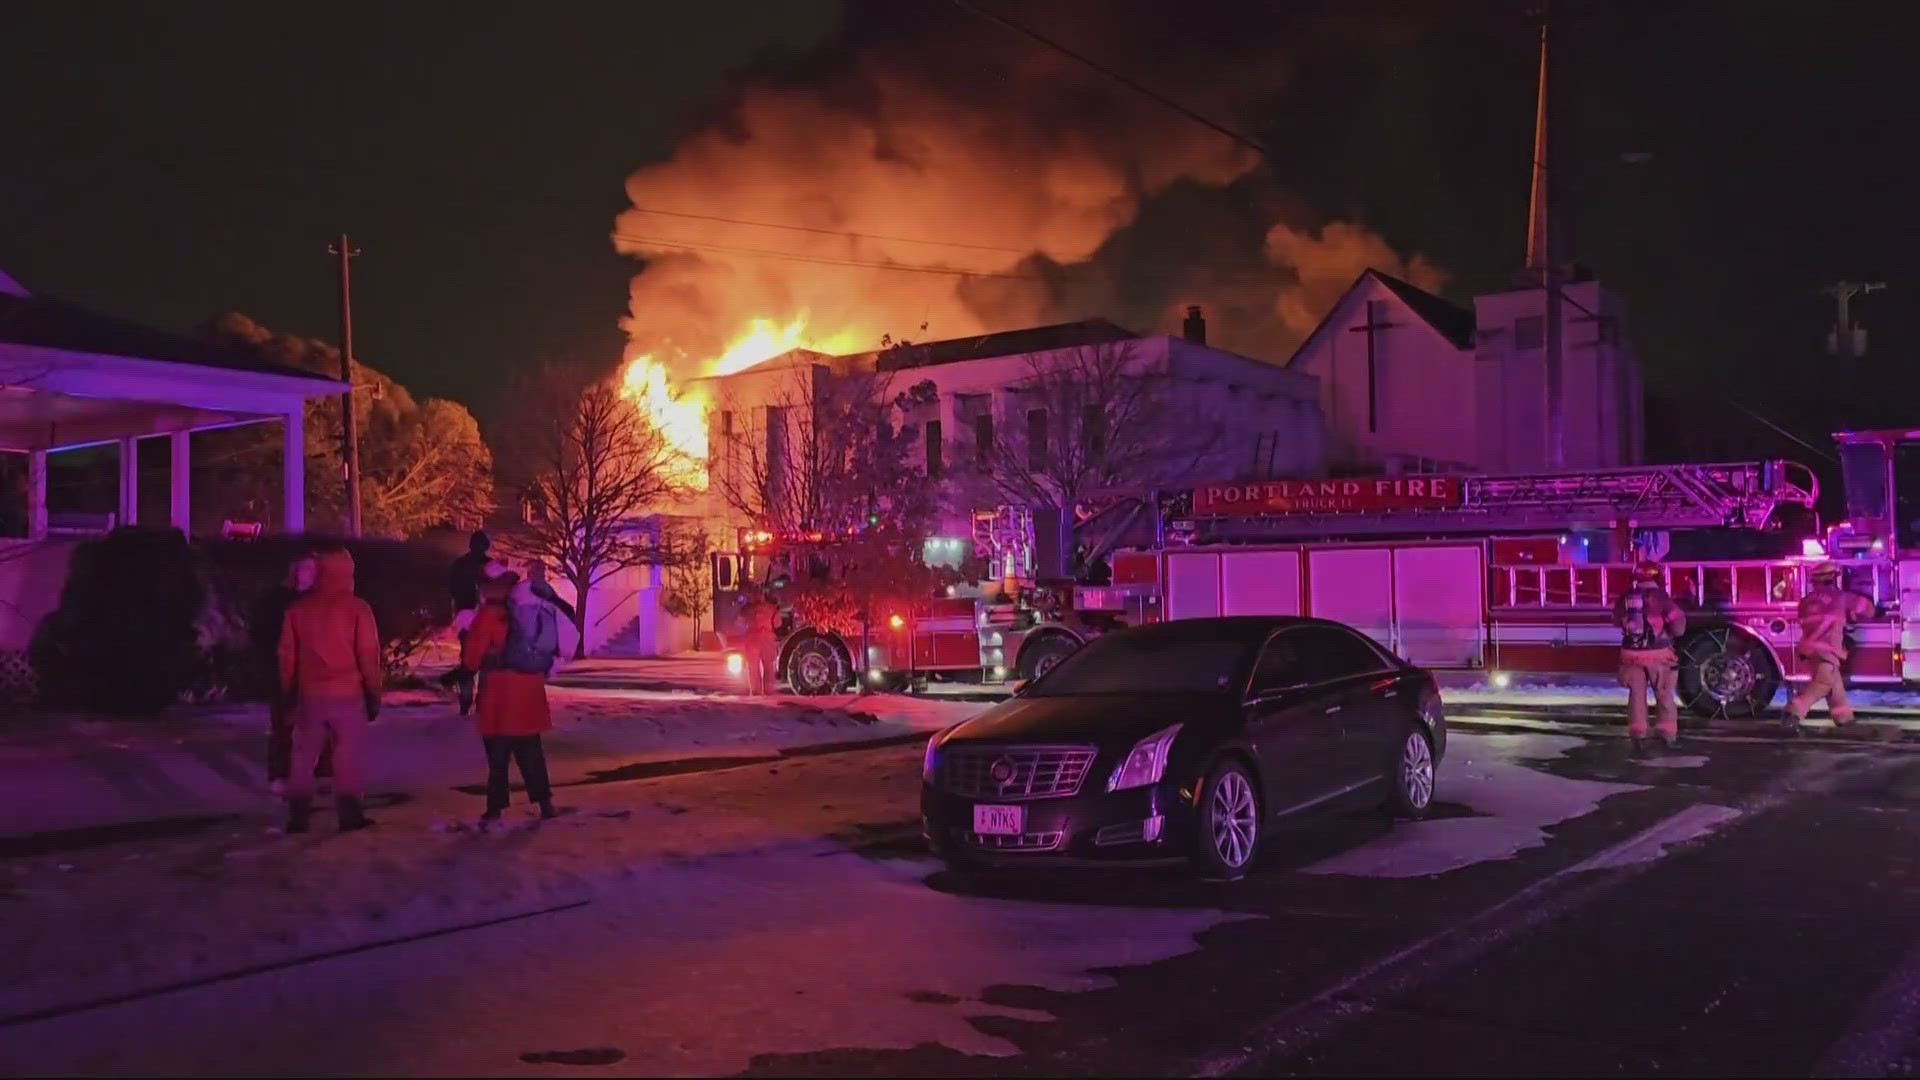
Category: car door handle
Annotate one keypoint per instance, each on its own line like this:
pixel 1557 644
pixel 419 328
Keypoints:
pixel 1331 709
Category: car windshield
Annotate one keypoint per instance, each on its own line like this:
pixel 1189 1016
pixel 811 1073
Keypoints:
pixel 1150 663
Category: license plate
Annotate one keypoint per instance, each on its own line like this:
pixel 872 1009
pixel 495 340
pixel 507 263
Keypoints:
pixel 999 820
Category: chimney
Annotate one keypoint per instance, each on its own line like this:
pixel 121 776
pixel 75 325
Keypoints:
pixel 1195 328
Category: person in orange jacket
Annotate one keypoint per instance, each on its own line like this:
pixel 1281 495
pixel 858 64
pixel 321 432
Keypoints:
pixel 330 671
pixel 511 711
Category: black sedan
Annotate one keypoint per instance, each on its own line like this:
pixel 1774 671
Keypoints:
pixel 1184 739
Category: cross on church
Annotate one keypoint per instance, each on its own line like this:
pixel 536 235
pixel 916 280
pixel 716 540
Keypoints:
pixel 1375 322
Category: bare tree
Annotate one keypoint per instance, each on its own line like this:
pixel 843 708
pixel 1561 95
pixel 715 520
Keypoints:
pixel 823 453
pixel 594 470
pixel 1086 422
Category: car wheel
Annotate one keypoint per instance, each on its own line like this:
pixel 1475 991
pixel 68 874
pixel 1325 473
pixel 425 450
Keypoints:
pixel 1412 777
pixel 1229 830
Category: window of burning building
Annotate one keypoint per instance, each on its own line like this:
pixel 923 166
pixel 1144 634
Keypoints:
pixel 1036 439
pixel 935 463
pixel 1093 429
pixel 976 412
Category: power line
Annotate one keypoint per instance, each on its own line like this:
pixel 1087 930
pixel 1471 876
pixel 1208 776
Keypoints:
pixel 1131 84
pixel 829 232
pixel 948 271
pixel 764 253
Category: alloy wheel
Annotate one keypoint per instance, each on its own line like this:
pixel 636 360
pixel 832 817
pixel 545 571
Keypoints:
pixel 1416 771
pixel 1234 818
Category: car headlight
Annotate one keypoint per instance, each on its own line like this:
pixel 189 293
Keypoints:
pixel 1146 763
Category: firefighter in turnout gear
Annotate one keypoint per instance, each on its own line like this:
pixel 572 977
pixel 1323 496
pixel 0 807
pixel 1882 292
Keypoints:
pixel 1650 622
pixel 1825 613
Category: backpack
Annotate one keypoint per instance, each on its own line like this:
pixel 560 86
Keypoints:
pixel 533 638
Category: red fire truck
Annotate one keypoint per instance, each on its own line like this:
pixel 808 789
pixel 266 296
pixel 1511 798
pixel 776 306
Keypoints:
pixel 1014 625
pixel 1518 574
pixel 1510 575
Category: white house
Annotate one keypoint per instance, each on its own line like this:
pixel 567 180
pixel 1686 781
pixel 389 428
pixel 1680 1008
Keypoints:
pixel 71 378
pixel 1204 413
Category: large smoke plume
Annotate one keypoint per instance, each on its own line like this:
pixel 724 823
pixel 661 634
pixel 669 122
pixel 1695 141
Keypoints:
pixel 1025 187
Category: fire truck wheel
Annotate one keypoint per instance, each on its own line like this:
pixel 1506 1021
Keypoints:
pixel 1040 656
pixel 1726 673
pixel 817 666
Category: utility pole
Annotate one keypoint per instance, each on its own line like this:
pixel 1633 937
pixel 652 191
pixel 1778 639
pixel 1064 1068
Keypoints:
pixel 350 427
pixel 1846 339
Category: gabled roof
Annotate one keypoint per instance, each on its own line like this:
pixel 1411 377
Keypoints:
pixel 1006 343
pixel 1452 322
pixel 46 323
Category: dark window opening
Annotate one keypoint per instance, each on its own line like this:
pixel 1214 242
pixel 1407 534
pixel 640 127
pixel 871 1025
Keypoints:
pixel 1036 439
pixel 983 440
pixel 935 466
pixel 1093 424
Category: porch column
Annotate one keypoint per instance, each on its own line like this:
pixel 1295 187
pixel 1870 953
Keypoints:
pixel 180 480
pixel 293 472
pixel 129 482
pixel 37 495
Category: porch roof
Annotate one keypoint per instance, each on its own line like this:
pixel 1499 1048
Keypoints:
pixel 70 377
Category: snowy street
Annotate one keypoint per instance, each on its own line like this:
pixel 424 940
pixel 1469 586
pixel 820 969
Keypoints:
pixel 777 915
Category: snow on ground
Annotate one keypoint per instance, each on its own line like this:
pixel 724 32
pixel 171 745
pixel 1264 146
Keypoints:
pixel 689 970
pixel 102 920
pixel 1475 690
pixel 1513 802
pixel 65 773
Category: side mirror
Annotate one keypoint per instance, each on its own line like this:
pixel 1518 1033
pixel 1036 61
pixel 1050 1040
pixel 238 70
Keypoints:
pixel 1020 686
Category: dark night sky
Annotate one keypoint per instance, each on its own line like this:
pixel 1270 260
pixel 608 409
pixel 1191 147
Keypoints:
pixel 168 162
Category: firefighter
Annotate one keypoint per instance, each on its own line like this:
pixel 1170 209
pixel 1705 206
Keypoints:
pixel 1825 613
pixel 759 647
pixel 1650 622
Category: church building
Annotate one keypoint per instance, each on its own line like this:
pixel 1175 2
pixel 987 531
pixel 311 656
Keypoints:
pixel 1539 377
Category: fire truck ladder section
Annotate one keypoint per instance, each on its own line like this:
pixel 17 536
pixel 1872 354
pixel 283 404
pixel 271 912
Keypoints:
pixel 1740 495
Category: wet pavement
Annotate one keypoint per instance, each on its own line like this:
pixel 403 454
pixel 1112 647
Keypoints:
pixel 1742 907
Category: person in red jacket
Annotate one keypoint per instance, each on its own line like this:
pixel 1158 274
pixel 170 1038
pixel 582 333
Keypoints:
pixel 330 671
pixel 511 711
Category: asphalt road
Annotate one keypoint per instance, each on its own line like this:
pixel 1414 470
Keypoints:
pixel 1745 908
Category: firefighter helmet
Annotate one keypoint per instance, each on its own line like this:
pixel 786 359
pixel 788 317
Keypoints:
pixel 1646 572
pixel 1825 571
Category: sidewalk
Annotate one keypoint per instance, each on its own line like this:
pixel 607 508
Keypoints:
pixel 77 773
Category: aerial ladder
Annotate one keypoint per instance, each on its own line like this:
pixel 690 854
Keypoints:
pixel 1739 495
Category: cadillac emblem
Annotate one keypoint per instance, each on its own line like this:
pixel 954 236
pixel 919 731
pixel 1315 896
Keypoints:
pixel 1002 771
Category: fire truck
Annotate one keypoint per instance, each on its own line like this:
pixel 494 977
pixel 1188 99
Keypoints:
pixel 1518 574
pixel 1512 575
pixel 1015 624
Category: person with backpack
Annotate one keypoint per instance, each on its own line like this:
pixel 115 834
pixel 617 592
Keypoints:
pixel 1650 622
pixel 511 646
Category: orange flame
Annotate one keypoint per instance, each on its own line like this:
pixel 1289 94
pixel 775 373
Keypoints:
pixel 681 416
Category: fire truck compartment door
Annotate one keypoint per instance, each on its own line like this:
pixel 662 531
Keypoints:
pixel 1354 586
pixel 1910 619
pixel 1260 583
pixel 1437 604
pixel 1193 585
